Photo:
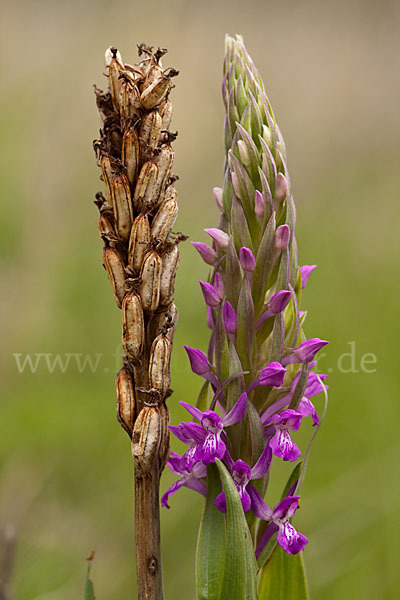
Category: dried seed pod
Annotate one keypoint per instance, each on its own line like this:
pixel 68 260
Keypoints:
pixel 115 68
pixel 154 93
pixel 160 357
pixel 115 268
pixel 132 326
pixel 150 131
pixel 164 161
pixel 170 264
pixel 163 451
pixel 165 321
pixel 122 205
pixel 106 228
pixel 130 154
pixel 146 438
pixel 126 404
pixel 107 173
pixel 146 187
pixel 139 242
pixel 164 219
pixel 166 114
pixel 129 99
pixel 150 276
pixel 154 73
pixel 110 54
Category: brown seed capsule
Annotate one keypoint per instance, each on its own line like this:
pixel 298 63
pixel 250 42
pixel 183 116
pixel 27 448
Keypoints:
pixel 132 326
pixel 166 114
pixel 164 161
pixel 106 228
pixel 165 321
pixel 150 131
pixel 154 73
pixel 168 274
pixel 150 287
pixel 146 189
pixel 115 268
pixel 122 205
pixel 164 219
pixel 125 400
pixel 110 54
pixel 130 154
pixel 107 173
pixel 160 357
pixel 146 438
pixel 163 450
pixel 129 99
pixel 154 93
pixel 139 242
pixel 114 69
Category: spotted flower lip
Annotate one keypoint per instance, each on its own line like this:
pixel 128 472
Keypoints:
pixel 288 538
pixel 189 478
pixel 281 443
pixel 206 439
pixel 242 474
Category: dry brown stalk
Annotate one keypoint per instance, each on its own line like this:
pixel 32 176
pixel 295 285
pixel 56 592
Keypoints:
pixel 137 214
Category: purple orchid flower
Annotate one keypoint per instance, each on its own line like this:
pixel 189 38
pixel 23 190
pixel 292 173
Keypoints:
pixel 305 272
pixel 207 254
pixel 305 352
pixel 272 374
pixel 242 474
pixel 210 293
pixel 276 305
pixel 281 443
pixel 189 478
pixel 200 365
pixel 288 538
pixel 206 440
pixel 305 407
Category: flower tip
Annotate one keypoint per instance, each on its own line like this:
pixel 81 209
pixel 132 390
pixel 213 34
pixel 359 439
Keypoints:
pixel 198 360
pixel 282 237
pixel 220 237
pixel 305 272
pixel 207 254
pixel 217 192
pixel 247 260
pixel 279 301
pixel 259 204
pixel 211 295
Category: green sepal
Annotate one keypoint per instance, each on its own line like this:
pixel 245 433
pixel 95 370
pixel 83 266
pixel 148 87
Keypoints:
pixel 89 588
pixel 240 578
pixel 241 96
pixel 276 349
pixel 211 543
pixel 221 348
pixel 240 230
pixel 263 265
pixel 246 331
pixel 233 275
pixel 283 577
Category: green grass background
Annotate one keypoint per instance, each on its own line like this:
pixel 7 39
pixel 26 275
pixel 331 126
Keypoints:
pixel 331 71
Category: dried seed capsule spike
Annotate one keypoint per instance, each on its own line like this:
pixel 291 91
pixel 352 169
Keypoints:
pixel 164 220
pixel 130 154
pixel 146 187
pixel 167 281
pixel 146 438
pixel 139 242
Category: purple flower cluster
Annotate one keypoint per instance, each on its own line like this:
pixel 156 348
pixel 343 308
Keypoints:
pixel 259 369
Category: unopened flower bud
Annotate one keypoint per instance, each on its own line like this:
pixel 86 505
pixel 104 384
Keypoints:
pixel 305 352
pixel 221 238
pixel 281 188
pixel 259 204
pixel 282 237
pixel 244 155
pixel 217 191
pixel 211 295
pixel 198 361
pixel 247 260
pixel 219 285
pixel 207 254
pixel 230 318
pixel 235 183
pixel 279 301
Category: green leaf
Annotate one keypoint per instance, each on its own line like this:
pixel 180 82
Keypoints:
pixel 240 581
pixel 211 544
pixel 283 577
pixel 89 589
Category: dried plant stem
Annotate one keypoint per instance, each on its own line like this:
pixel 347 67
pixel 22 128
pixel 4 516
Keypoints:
pixel 141 257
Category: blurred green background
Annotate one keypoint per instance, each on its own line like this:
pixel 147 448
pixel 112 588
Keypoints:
pixel 331 71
